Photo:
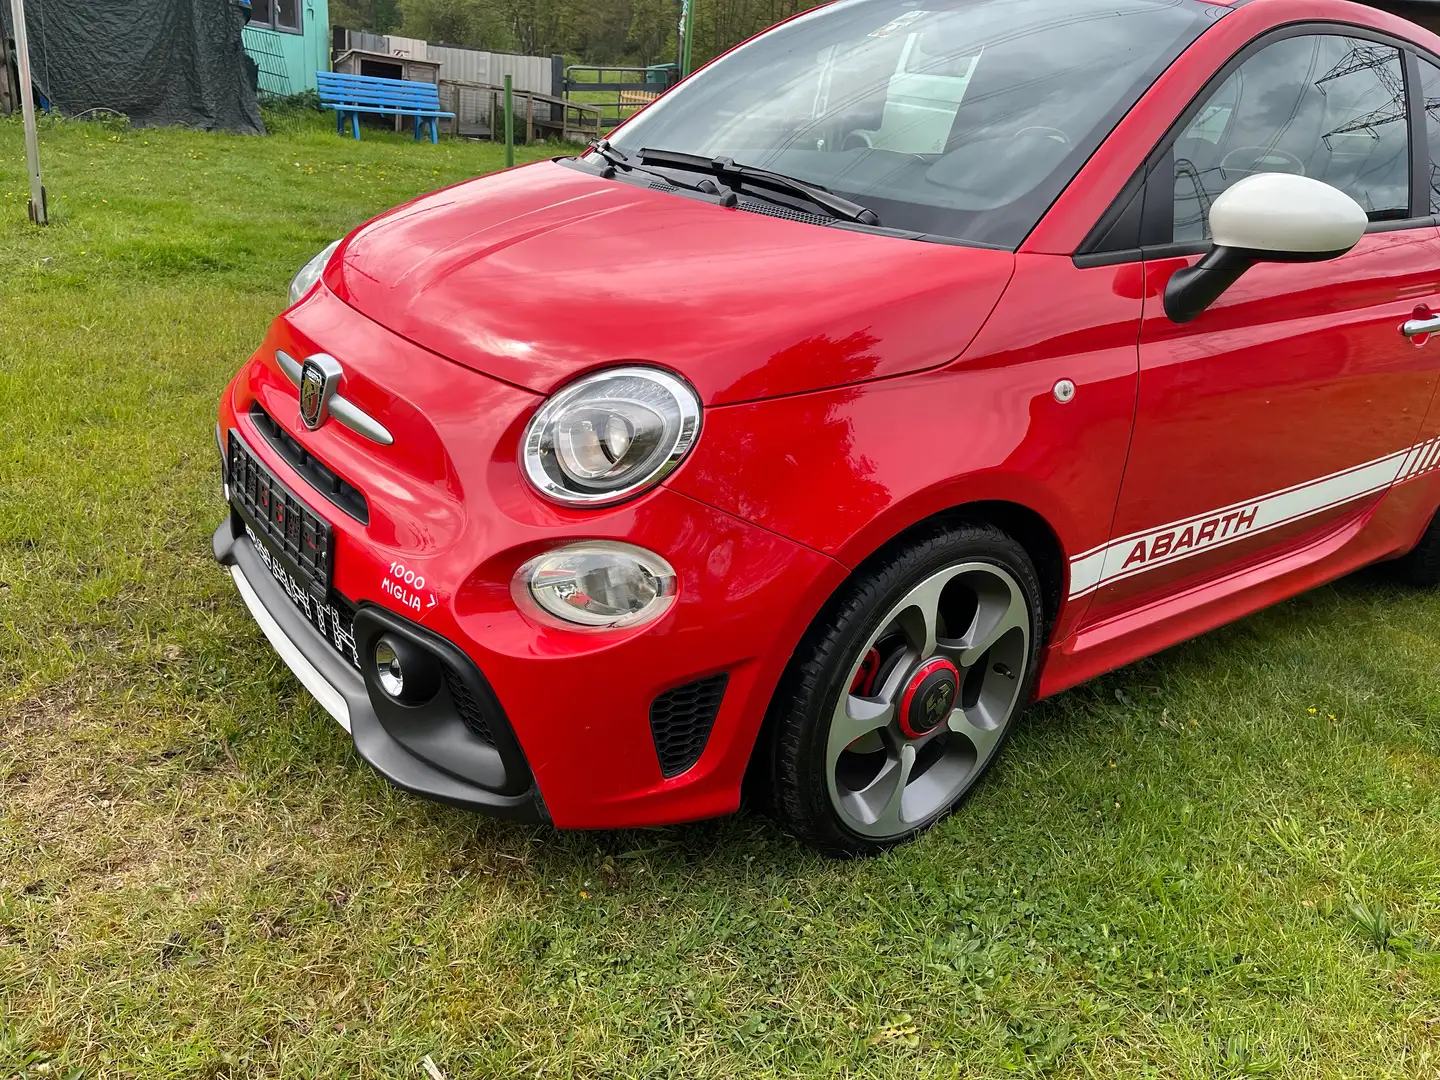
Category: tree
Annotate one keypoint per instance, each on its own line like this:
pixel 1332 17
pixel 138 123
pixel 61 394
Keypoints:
pixel 653 24
pixel 598 31
pixel 542 27
pixel 456 22
pixel 376 16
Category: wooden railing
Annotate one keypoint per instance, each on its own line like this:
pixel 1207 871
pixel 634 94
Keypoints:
pixel 478 108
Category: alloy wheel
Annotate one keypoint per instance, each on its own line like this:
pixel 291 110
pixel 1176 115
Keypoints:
pixel 928 700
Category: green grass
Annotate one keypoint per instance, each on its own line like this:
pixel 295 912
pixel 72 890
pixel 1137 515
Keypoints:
pixel 1224 861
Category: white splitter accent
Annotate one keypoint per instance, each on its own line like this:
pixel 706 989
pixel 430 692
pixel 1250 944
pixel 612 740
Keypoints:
pixel 329 698
pixel 1137 552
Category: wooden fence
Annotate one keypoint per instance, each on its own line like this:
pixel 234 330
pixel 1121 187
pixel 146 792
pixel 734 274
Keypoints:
pixel 479 113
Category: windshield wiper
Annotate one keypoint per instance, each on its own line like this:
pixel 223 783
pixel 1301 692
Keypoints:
pixel 612 156
pixel 615 158
pixel 727 170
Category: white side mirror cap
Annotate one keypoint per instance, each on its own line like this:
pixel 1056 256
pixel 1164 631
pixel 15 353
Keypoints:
pixel 1286 217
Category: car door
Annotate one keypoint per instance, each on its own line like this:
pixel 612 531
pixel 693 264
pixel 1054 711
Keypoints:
pixel 1285 410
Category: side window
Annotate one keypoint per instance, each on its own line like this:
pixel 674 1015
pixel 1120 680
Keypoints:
pixel 1328 107
pixel 1430 91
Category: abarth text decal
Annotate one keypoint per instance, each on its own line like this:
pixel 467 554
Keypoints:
pixel 1138 552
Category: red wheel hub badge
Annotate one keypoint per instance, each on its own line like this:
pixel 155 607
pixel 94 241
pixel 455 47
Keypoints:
pixel 929 696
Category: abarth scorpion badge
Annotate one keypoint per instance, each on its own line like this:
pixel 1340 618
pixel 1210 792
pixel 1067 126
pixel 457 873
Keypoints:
pixel 319 376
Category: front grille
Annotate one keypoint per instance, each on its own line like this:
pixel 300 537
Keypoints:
pixel 286 523
pixel 681 719
pixel 315 472
pixel 466 705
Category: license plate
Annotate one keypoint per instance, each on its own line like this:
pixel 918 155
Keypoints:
pixel 334 624
pixel 295 544
pixel 297 537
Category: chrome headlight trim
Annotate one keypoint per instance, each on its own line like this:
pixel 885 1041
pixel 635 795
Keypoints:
pixel 546 472
pixel 540 588
pixel 310 273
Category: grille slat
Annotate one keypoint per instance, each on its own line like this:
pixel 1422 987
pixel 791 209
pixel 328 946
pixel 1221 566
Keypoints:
pixel 681 719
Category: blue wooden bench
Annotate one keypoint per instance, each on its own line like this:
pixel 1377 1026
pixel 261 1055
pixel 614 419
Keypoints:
pixel 351 95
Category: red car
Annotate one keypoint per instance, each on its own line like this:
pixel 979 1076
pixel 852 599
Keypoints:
pixel 904 365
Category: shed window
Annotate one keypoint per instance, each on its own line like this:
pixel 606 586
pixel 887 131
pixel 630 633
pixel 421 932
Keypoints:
pixel 276 14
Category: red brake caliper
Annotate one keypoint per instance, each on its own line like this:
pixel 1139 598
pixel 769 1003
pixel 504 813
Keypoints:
pixel 864 681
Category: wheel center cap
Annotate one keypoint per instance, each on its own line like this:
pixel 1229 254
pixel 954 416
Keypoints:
pixel 928 697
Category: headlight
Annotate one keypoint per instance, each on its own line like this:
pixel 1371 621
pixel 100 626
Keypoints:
pixel 310 273
pixel 598 584
pixel 610 436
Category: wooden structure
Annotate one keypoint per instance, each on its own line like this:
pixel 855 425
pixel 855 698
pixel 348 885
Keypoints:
pixel 457 64
pixel 384 66
pixel 351 95
pixel 9 92
pixel 478 110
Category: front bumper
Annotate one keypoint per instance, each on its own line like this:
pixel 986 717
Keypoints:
pixel 343 693
pixel 447 507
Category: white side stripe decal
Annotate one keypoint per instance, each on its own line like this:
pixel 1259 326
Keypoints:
pixel 1138 552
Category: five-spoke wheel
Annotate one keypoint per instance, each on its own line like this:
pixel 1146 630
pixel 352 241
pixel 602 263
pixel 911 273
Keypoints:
pixel 904 694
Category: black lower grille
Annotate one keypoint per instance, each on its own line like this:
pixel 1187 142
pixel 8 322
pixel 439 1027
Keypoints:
pixel 290 528
pixel 466 705
pixel 681 719
pixel 315 471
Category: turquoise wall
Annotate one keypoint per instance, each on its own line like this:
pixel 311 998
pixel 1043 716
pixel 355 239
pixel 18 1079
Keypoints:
pixel 288 62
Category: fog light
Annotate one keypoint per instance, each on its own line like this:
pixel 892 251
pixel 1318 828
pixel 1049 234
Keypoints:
pixel 389 669
pixel 406 673
pixel 597 585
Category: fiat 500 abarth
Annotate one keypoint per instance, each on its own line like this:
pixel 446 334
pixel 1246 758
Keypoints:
pixel 916 359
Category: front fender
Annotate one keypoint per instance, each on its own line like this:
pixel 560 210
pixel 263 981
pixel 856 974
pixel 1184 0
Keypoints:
pixel 844 470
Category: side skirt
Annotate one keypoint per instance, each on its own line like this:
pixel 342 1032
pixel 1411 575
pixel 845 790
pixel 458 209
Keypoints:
pixel 1389 528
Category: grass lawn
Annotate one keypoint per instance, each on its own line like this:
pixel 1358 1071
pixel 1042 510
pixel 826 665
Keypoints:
pixel 1221 862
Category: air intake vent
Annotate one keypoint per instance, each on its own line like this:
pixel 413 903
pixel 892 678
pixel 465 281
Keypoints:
pixel 759 206
pixel 681 719
pixel 466 705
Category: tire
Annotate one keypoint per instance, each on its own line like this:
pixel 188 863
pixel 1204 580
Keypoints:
pixel 1421 567
pixel 863 667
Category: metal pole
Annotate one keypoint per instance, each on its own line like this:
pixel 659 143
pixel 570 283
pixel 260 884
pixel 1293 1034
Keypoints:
pixel 686 32
pixel 27 108
pixel 509 121
pixel 690 38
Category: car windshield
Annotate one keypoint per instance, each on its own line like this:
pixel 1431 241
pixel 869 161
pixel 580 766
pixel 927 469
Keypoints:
pixel 955 118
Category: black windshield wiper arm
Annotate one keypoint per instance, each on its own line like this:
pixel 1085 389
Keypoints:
pixel 610 154
pixel 618 159
pixel 727 170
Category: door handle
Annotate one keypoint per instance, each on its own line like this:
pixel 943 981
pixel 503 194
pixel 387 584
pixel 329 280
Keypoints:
pixel 1417 327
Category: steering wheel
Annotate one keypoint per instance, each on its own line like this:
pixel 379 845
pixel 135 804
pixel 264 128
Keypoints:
pixel 1053 134
pixel 1264 159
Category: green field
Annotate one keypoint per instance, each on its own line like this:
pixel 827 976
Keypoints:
pixel 1224 861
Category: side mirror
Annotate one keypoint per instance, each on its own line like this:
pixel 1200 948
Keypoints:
pixel 1268 217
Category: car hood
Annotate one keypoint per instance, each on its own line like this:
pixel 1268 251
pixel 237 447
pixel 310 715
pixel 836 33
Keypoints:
pixel 541 273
